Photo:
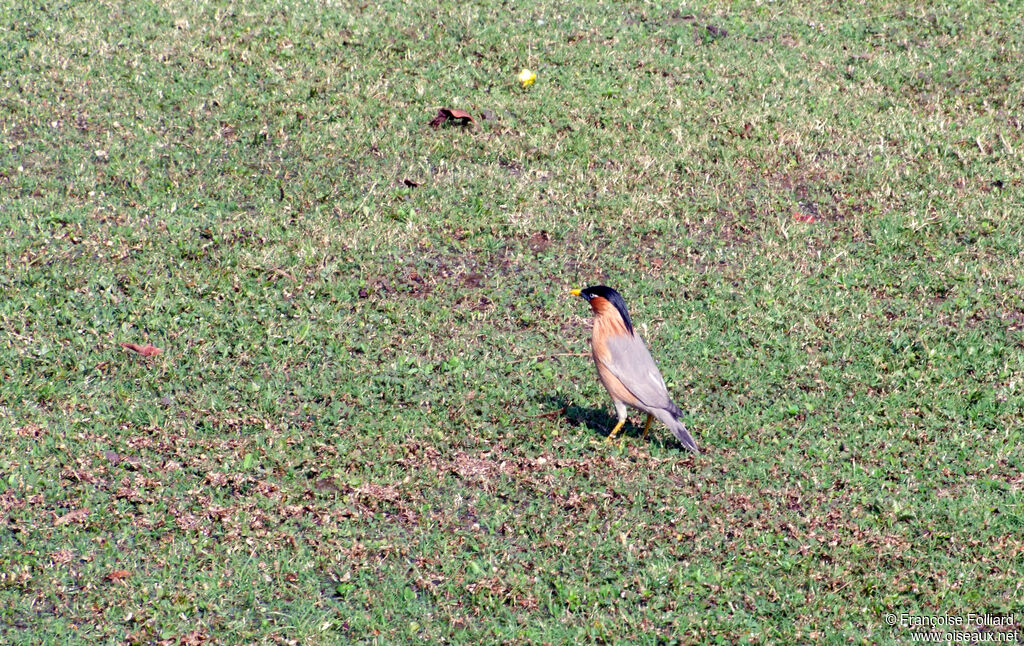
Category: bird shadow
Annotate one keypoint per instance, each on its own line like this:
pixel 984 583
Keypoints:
pixel 598 421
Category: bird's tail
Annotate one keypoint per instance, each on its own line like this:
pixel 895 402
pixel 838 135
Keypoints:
pixel 670 418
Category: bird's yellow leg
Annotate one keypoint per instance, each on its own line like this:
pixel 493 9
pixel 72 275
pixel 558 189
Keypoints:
pixel 647 426
pixel 611 436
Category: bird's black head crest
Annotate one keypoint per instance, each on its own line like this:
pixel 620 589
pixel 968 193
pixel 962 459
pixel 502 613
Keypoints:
pixel 613 297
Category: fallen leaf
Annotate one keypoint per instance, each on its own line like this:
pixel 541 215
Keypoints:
pixel 194 638
pixel 118 575
pixel 807 211
pixel 62 556
pixel 112 457
pixel 706 34
pixel 29 430
pixel 411 183
pixel 147 350
pixel 444 114
pixel 553 414
pixel 74 516
pixel 717 32
pixel 326 484
pixel 539 241
pixel 489 115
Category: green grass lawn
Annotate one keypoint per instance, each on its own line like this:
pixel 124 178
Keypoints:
pixel 375 420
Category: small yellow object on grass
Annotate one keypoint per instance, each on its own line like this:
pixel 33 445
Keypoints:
pixel 526 77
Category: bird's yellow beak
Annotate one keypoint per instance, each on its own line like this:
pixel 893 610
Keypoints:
pixel 574 292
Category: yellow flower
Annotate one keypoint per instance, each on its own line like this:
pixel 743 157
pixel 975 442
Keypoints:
pixel 526 77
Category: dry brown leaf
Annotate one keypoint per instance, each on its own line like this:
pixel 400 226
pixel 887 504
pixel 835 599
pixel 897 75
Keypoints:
pixel 74 516
pixel 717 32
pixel 147 350
pixel 118 575
pixel 554 414
pixel 540 241
pixel 62 556
pixel 444 114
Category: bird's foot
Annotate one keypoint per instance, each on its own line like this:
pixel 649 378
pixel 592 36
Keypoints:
pixel 647 427
pixel 615 430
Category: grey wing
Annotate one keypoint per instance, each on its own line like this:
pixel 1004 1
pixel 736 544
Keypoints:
pixel 632 364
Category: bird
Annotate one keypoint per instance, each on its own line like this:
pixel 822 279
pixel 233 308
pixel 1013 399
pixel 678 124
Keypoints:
pixel 626 368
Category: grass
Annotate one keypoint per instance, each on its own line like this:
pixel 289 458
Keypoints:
pixel 374 420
